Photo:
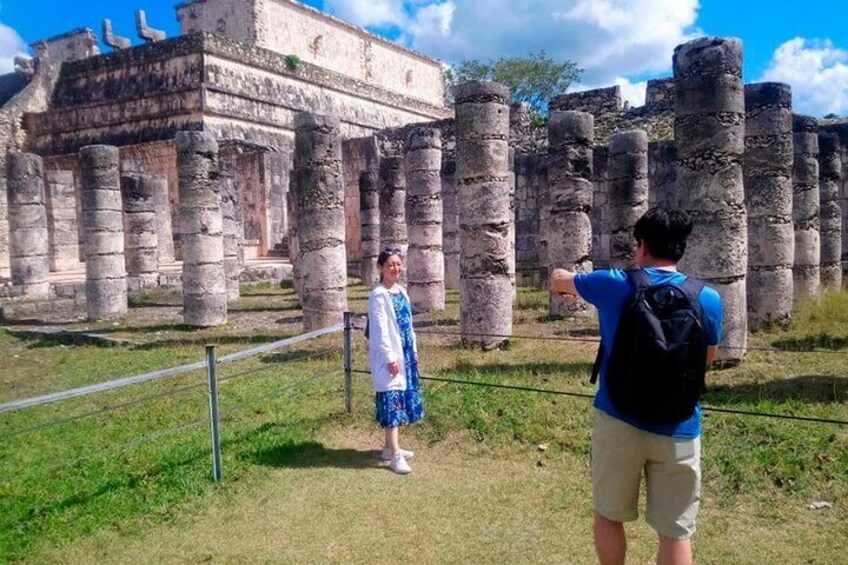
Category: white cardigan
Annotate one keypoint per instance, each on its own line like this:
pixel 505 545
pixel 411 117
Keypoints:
pixel 384 342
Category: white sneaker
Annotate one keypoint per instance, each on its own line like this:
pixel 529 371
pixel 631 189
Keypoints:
pixel 387 454
pixel 399 465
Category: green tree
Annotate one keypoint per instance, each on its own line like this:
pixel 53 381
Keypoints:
pixel 533 80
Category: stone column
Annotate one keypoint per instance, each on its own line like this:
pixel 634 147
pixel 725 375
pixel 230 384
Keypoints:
pixel 141 242
pixel 768 191
pixel 4 215
pixel 164 218
pixel 628 193
pixel 450 224
pixel 709 130
pixel 425 265
pixel 601 209
pixel 485 208
pixel 393 230
pixel 805 208
pixel 28 240
pixel 568 227
pixel 319 199
pixel 62 224
pixel 369 213
pixel 830 214
pixel 201 230
pixel 232 231
pixel 294 243
pixel 103 225
pixel 662 174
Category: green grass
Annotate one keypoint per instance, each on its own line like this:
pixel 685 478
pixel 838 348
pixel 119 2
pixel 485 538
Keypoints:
pixel 759 474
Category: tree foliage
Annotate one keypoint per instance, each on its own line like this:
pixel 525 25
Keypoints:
pixel 533 80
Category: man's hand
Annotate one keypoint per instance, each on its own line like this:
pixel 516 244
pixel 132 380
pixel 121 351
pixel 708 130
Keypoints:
pixel 562 283
pixel 394 369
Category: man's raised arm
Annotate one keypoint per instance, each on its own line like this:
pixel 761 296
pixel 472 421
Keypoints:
pixel 562 282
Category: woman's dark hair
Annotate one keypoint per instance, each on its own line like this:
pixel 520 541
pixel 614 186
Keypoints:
pixel 664 232
pixel 384 256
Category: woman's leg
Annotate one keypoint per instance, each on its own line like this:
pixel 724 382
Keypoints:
pixel 392 440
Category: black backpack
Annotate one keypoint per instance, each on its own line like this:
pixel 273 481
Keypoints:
pixel 655 372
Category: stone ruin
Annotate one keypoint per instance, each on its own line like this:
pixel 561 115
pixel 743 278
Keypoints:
pixel 269 145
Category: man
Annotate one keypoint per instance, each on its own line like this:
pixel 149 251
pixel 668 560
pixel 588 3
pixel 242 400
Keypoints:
pixel 623 447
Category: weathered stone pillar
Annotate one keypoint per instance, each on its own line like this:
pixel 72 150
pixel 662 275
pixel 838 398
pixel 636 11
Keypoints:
pixel 662 174
pixel 294 243
pixel 628 193
pixel 164 218
pixel 232 230
pixel 768 191
pixel 319 199
pixel 62 224
pixel 28 239
pixel 568 227
pixel 601 209
pixel 512 181
pixel 425 266
pixel 4 216
pixel 369 212
pixel 450 224
pixel 830 214
pixel 393 230
pixel 709 130
pixel 482 154
pixel 140 238
pixel 805 208
pixel 103 225
pixel 201 230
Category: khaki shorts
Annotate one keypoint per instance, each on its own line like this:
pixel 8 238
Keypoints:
pixel 672 467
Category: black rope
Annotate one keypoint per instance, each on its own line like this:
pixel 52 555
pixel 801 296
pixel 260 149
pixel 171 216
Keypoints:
pixel 597 340
pixel 591 396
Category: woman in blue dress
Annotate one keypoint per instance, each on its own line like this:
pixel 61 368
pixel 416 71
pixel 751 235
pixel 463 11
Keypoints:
pixel 393 355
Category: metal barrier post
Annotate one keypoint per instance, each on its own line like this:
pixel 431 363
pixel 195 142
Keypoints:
pixel 212 372
pixel 348 317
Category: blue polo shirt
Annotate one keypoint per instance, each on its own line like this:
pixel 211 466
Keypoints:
pixel 608 291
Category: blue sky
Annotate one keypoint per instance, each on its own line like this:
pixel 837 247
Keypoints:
pixel 616 41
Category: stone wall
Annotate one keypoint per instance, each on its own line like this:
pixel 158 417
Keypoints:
pixel 202 81
pixel 291 28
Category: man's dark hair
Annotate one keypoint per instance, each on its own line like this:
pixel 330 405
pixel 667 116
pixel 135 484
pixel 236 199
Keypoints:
pixel 664 232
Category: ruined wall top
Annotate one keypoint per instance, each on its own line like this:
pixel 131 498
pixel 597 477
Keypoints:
pixel 74 45
pixel 595 102
pixel 291 28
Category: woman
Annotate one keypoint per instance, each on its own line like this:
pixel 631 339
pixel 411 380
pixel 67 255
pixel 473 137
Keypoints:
pixel 393 356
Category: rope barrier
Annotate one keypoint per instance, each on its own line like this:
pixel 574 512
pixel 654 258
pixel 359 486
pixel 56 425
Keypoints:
pixel 705 408
pixel 594 340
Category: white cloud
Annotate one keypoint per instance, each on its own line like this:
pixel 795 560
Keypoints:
pixel 369 13
pixel 818 73
pixel 11 45
pixel 632 92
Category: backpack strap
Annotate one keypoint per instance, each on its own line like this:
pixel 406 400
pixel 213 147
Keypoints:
pixel 639 278
pixel 693 286
pixel 596 367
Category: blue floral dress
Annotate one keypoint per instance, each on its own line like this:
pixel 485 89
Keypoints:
pixel 402 407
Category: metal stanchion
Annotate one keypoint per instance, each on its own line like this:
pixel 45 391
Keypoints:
pixel 212 371
pixel 348 317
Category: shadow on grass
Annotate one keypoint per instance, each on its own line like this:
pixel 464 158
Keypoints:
pixel 804 388
pixel 264 308
pixel 812 342
pixel 311 454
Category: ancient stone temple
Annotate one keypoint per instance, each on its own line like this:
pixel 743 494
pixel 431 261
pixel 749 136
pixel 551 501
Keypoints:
pixel 393 226
pixel 709 130
pixel 425 265
pixel 62 220
pixel 485 209
pixel 369 209
pixel 319 196
pixel 140 238
pixel 769 190
pixel 805 208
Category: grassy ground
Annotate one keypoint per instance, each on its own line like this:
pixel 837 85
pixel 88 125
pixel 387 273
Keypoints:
pixel 301 483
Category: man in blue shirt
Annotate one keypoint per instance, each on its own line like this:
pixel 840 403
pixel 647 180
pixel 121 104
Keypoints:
pixel 624 448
